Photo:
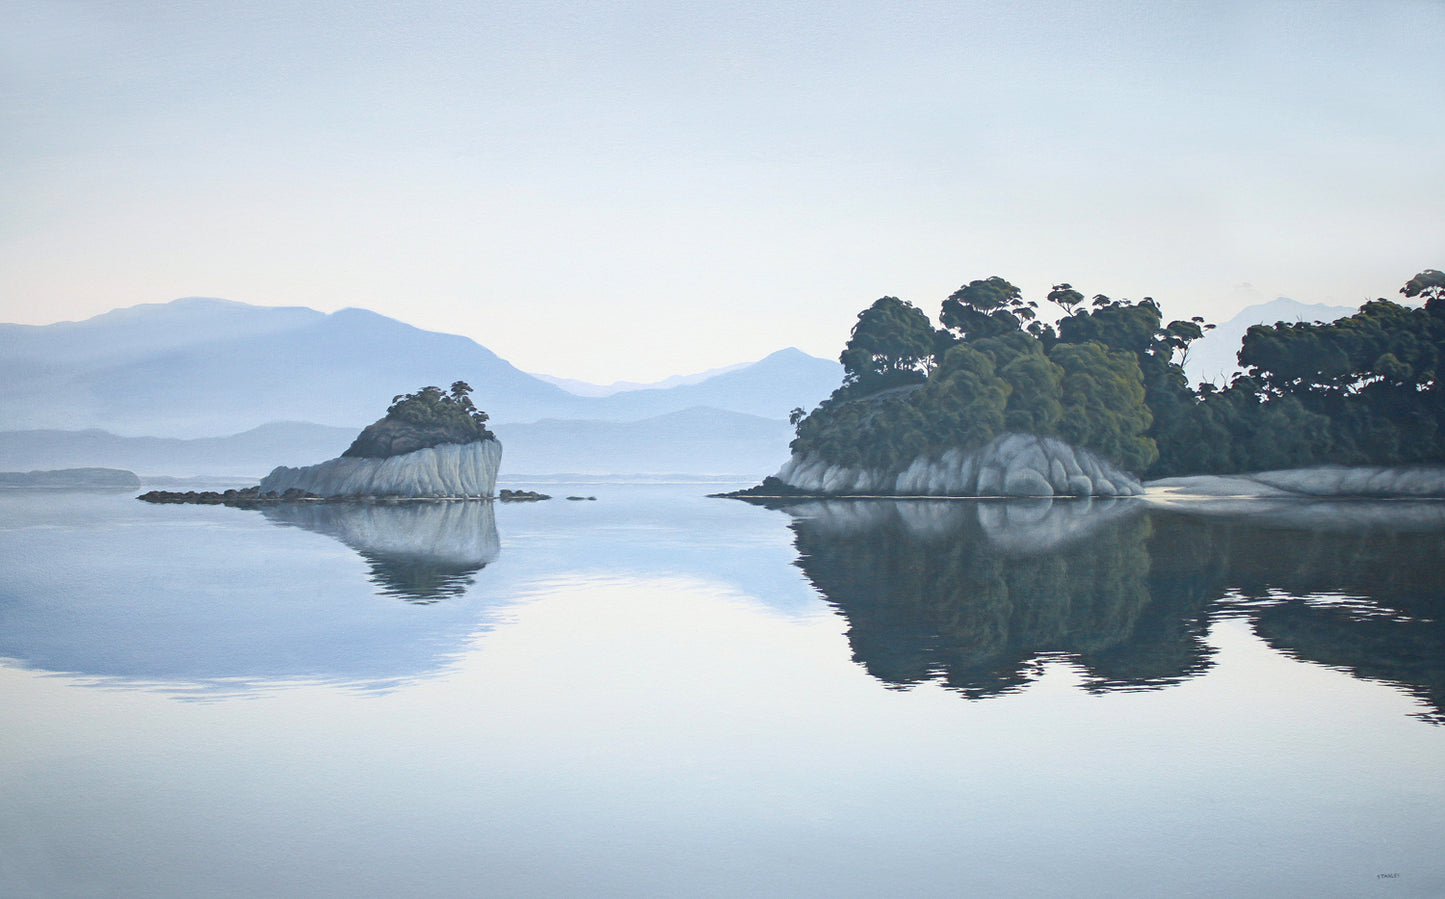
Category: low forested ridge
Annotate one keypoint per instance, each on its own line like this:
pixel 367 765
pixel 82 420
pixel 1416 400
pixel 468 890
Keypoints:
pixel 1108 376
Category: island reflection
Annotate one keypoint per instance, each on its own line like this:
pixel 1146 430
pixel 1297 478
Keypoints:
pixel 420 552
pixel 978 595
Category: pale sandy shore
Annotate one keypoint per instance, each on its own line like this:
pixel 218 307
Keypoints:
pixel 1325 497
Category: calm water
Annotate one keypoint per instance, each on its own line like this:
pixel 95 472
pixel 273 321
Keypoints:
pixel 660 694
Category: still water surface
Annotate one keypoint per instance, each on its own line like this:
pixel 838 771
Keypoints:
pixel 660 694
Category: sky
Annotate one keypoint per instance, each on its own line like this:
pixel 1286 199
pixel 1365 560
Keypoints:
pixel 632 190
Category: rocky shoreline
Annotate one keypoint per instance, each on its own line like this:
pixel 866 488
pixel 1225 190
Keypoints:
pixel 1013 464
pixel 254 497
pixel 1315 483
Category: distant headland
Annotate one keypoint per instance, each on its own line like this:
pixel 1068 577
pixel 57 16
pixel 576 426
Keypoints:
pixel 72 478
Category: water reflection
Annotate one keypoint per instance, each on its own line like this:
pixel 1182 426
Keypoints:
pixel 420 552
pixel 978 595
pixel 210 599
pixel 1359 590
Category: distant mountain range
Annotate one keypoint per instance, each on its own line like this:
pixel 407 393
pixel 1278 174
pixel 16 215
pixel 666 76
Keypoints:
pixel 586 388
pixel 694 442
pixel 206 386
pixel 205 368
pixel 1212 357
pixel 250 454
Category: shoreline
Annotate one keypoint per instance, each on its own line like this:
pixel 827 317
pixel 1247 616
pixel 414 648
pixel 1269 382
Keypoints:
pixel 1329 482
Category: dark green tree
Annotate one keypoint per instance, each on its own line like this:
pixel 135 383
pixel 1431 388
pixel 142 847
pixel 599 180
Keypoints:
pixel 1065 297
pixel 891 345
pixel 986 308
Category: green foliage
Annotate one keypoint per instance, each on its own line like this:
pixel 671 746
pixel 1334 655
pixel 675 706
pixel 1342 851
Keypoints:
pixel 986 308
pixel 1065 297
pixel 1109 377
pixel 966 399
pixel 1359 390
pixel 1429 284
pixel 1103 404
pixel 891 344
pixel 429 407
pixel 982 387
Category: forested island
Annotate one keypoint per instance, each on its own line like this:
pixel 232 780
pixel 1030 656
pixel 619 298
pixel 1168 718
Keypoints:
pixel 1107 378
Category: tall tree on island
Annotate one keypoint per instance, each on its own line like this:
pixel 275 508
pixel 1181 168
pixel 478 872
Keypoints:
pixel 891 345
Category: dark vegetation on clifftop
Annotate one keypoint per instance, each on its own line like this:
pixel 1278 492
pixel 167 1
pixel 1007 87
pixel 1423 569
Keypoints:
pixel 1108 376
pixel 419 420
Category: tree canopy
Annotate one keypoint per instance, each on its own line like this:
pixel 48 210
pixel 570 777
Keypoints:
pixel 428 417
pixel 889 345
pixel 431 407
pixel 1108 376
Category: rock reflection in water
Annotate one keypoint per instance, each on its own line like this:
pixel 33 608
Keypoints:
pixel 421 552
pixel 978 595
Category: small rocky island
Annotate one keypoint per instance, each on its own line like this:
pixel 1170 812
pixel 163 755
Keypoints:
pixel 432 444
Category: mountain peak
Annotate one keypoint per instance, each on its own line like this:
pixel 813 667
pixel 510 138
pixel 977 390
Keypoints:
pixel 1213 357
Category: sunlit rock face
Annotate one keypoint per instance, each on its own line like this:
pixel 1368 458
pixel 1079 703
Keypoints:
pixel 1009 465
pixel 450 469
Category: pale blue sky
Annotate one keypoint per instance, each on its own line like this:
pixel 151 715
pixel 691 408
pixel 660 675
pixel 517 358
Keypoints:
pixel 632 190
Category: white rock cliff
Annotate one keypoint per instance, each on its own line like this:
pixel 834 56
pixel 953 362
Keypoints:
pixel 449 469
pixel 1009 465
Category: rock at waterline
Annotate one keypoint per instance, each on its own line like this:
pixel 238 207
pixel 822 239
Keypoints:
pixel 1008 465
pixel 448 469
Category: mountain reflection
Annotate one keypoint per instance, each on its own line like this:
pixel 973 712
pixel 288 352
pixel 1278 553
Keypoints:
pixel 420 552
pixel 978 595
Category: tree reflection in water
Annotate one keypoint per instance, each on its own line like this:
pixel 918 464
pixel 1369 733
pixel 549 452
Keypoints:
pixel 421 552
pixel 978 595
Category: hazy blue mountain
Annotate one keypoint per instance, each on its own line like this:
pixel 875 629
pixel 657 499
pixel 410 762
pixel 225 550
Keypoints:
pixel 697 441
pixel 250 454
pixel 587 388
pixel 202 367
pixel 690 442
pixel 1212 357
pixel 210 368
pixel 769 388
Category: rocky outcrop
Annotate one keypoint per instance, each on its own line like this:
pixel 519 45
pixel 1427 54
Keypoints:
pixel 1009 465
pixel 450 469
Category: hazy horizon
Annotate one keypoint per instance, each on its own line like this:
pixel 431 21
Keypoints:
pixel 608 194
